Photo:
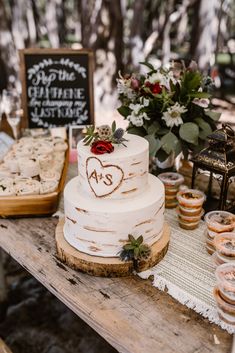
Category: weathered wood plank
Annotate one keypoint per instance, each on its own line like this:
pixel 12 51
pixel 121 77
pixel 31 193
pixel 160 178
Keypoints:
pixel 3 347
pixel 129 313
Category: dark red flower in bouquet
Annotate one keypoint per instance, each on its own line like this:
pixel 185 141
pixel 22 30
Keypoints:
pixel 148 84
pixel 155 88
pixel 101 147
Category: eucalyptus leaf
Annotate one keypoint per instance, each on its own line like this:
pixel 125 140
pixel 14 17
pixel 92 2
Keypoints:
pixel 162 155
pixel 124 111
pixel 205 128
pixel 140 131
pixel 213 115
pixel 163 131
pixel 154 144
pixel 153 128
pixel 169 142
pixel 178 148
pixel 189 132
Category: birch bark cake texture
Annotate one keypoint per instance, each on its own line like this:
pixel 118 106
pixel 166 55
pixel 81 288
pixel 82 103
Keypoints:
pixel 113 196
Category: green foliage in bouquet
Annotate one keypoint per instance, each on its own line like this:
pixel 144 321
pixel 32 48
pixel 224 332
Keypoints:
pixel 170 108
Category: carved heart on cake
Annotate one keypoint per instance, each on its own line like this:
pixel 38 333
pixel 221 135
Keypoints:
pixel 104 179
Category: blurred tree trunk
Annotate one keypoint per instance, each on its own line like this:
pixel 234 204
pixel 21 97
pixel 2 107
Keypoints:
pixel 38 19
pixel 18 23
pixel 55 22
pixel 174 17
pixel 208 28
pixel 86 7
pixel 31 23
pixel 194 32
pixel 61 18
pixel 158 15
pixel 7 49
pixel 136 39
pixel 116 34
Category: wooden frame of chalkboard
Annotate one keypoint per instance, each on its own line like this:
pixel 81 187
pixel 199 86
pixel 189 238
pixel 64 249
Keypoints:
pixel 57 87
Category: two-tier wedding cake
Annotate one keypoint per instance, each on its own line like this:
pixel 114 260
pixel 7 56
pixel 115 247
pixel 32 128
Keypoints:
pixel 113 196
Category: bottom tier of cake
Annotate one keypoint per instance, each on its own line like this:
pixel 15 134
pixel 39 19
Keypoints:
pixel 100 227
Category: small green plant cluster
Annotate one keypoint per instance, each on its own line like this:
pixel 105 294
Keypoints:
pixel 104 133
pixel 134 249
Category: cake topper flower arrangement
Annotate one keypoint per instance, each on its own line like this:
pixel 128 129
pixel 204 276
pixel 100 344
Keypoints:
pixel 103 138
pixel 169 107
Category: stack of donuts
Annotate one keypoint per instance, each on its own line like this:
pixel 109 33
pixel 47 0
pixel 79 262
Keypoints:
pixel 32 166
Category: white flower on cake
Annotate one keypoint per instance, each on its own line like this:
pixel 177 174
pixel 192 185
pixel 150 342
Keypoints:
pixel 137 117
pixel 172 116
pixel 202 102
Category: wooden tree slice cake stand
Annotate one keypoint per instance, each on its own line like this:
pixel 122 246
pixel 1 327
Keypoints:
pixel 107 266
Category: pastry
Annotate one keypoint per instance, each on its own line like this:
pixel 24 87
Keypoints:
pixel 6 187
pixel 26 186
pixel 29 167
pixel 48 186
pixel 48 175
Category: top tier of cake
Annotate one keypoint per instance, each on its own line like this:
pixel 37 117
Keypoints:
pixel 118 175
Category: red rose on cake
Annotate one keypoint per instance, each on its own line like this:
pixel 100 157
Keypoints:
pixel 101 147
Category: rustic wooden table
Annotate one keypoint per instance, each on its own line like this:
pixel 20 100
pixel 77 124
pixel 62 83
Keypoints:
pixel 131 314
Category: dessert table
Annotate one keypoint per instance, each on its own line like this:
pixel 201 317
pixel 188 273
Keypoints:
pixel 129 313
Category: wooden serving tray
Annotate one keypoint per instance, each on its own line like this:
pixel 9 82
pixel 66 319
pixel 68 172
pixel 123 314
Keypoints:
pixel 34 205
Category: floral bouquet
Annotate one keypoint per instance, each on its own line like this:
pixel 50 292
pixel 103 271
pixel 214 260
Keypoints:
pixel 170 108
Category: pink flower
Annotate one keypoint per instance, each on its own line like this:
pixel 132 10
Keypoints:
pixel 135 83
pixel 202 102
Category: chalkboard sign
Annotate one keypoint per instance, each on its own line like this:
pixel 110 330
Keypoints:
pixel 57 87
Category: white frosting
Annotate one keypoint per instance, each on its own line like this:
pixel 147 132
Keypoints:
pixel 121 174
pixel 101 226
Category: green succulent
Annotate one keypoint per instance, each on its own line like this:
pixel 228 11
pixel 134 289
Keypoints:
pixel 134 249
